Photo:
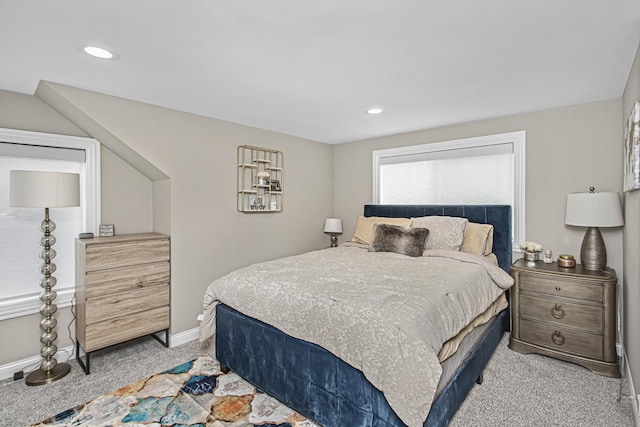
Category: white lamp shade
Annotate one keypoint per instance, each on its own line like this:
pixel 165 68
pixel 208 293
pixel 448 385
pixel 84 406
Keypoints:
pixel 593 210
pixel 333 225
pixel 33 189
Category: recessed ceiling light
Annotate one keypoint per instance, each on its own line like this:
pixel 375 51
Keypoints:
pixel 374 110
pixel 99 52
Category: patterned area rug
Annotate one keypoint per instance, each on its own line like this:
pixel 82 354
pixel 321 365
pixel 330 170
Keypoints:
pixel 195 393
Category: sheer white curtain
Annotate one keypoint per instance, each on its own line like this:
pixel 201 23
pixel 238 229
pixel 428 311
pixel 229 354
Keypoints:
pixel 482 170
pixel 19 227
pixel 465 180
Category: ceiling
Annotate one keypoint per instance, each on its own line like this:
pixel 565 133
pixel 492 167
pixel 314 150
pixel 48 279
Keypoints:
pixel 311 68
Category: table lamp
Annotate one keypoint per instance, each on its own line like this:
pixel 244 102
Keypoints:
pixel 333 226
pixel 33 189
pixel 593 210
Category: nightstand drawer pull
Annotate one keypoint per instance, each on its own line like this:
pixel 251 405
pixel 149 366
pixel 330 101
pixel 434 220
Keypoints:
pixel 557 311
pixel 557 338
pixel 558 288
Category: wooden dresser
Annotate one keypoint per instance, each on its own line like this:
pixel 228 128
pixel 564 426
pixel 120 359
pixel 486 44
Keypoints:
pixel 566 313
pixel 122 290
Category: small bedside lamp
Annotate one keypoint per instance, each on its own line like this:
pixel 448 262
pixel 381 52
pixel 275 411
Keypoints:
pixel 593 210
pixel 333 226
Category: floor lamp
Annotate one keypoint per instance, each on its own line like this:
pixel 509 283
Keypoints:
pixel 32 189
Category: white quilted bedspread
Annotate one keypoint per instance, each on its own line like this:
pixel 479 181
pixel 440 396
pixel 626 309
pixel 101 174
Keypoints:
pixel 383 313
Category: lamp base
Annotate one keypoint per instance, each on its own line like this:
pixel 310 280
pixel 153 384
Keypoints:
pixel 593 253
pixel 334 240
pixel 40 377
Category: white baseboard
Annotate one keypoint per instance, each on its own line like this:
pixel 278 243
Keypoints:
pixel 184 337
pixel 30 363
pixel 635 399
pixel 68 353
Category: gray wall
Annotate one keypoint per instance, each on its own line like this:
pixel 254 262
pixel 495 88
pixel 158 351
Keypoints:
pixel 197 205
pixel 632 244
pixel 198 154
pixel 119 182
pixel 567 150
pixel 26 112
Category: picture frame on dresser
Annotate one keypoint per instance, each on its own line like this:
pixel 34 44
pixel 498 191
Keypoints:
pixel 565 313
pixel 106 230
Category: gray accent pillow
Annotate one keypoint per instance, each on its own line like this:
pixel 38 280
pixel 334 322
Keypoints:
pixel 445 232
pixel 396 238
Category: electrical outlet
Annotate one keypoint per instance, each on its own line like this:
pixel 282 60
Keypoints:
pixel 200 317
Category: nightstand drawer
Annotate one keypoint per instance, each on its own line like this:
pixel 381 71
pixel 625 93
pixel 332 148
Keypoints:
pixel 126 303
pixel 592 292
pixel 562 339
pixel 561 312
pixel 107 256
pixel 104 282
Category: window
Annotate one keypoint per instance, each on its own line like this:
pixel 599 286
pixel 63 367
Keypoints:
pixel 19 227
pixel 483 170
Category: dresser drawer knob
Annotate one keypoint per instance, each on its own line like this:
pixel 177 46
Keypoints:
pixel 557 311
pixel 557 338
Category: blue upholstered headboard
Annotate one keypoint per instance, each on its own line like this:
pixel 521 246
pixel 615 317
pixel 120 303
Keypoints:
pixel 498 215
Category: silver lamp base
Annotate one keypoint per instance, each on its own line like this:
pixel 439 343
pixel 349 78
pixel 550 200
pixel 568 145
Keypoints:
pixel 50 370
pixel 40 377
pixel 593 253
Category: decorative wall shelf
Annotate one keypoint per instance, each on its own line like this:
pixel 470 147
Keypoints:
pixel 260 179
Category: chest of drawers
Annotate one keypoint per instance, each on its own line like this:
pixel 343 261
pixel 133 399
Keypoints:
pixel 566 313
pixel 122 290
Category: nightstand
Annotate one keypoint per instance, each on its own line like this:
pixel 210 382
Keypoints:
pixel 566 313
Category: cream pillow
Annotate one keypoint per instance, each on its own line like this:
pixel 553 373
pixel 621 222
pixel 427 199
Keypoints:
pixel 445 232
pixel 364 227
pixel 478 239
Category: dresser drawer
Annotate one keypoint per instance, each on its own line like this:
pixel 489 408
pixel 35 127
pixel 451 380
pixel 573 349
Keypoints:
pixel 563 313
pixel 126 303
pixel 562 339
pixel 563 288
pixel 106 256
pixel 104 282
pixel 115 331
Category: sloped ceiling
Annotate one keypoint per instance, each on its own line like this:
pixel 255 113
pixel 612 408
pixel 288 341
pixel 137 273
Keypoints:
pixel 311 68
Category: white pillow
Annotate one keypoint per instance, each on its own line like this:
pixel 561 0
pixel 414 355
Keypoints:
pixel 445 232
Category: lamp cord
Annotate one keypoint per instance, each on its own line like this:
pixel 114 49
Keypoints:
pixel 73 319
pixel 36 365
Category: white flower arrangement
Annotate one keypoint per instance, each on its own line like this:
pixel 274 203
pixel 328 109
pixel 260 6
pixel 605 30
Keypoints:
pixel 531 246
pixel 263 174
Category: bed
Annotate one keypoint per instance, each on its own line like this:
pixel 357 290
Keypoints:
pixel 308 377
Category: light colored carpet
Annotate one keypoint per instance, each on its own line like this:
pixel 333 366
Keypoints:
pixel 534 390
pixel 518 390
